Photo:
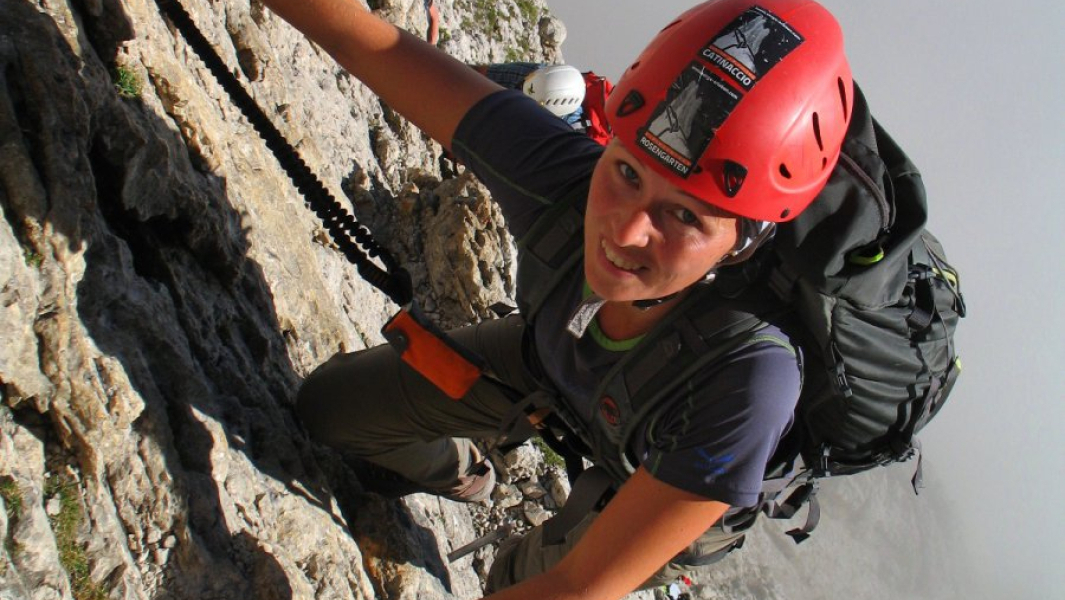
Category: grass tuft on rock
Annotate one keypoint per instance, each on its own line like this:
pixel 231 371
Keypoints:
pixel 65 525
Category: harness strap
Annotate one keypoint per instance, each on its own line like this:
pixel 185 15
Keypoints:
pixel 589 489
pixel 813 516
pixel 516 425
pixel 540 413
pixel 537 413
pixel 688 559
pixel 794 501
pixel 918 473
pixel 782 278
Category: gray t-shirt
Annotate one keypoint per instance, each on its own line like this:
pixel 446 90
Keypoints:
pixel 715 441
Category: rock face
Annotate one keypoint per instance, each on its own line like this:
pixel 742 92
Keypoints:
pixel 163 290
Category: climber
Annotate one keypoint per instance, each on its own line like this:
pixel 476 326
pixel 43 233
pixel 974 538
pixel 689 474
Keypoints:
pixel 432 15
pixel 591 89
pixel 711 147
pixel 558 88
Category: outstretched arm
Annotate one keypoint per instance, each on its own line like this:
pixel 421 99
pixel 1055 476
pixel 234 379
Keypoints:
pixel 645 525
pixel 428 87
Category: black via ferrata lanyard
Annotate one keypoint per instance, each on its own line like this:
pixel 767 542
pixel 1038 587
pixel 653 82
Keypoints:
pixel 347 233
pixel 449 366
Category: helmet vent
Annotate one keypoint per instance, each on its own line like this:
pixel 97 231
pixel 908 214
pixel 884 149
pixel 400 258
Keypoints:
pixel 817 131
pixel 784 172
pixel 735 175
pixel 633 102
pixel 843 97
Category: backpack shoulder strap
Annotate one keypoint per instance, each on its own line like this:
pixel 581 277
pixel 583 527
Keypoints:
pixel 646 379
pixel 550 249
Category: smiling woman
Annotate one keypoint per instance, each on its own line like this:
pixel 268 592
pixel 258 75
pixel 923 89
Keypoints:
pixel 924 65
pixel 646 239
pixel 702 156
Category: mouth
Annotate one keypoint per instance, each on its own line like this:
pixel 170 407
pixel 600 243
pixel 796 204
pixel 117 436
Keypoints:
pixel 618 261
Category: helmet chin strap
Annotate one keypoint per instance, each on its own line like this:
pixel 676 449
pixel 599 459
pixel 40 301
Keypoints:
pixel 751 236
pixel 585 313
pixel 648 304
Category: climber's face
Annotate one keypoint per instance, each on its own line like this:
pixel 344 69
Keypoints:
pixel 644 237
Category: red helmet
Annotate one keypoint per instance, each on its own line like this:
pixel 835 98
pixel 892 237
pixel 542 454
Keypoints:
pixel 743 104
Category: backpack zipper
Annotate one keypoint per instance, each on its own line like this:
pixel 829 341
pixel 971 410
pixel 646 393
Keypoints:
pixel 871 186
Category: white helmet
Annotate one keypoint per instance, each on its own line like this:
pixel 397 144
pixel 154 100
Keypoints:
pixel 558 88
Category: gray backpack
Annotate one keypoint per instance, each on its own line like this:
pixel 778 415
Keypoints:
pixel 878 305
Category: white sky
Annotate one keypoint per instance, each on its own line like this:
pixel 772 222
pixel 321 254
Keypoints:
pixel 975 93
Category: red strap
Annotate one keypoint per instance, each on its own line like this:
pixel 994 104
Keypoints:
pixel 429 354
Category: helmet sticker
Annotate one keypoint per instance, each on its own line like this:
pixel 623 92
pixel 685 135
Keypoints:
pixel 751 45
pixel 682 126
pixel 706 92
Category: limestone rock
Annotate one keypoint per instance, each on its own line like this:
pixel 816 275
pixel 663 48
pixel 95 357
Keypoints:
pixel 552 32
pixel 163 290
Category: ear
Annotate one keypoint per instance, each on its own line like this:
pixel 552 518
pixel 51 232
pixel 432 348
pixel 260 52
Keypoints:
pixel 750 236
pixel 741 229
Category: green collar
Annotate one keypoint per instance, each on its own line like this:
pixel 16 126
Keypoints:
pixel 601 338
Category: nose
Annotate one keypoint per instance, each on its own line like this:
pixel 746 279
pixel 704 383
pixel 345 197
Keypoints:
pixel 633 227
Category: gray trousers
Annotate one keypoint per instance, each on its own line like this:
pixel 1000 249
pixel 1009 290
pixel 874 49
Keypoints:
pixel 372 405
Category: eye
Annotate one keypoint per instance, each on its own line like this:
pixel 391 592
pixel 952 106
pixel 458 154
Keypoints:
pixel 628 173
pixel 685 216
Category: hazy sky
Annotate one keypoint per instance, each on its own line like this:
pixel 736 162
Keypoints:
pixel 975 93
